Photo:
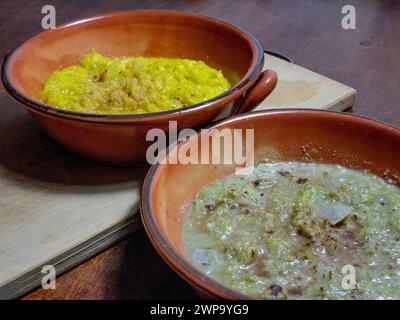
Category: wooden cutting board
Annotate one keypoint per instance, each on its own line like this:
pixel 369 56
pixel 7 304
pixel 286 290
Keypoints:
pixel 58 209
pixel 301 88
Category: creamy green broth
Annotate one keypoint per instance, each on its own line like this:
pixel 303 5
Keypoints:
pixel 287 230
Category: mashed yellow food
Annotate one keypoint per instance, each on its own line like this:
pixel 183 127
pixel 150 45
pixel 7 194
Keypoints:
pixel 131 85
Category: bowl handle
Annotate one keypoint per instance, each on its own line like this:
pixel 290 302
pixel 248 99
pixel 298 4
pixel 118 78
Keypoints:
pixel 264 85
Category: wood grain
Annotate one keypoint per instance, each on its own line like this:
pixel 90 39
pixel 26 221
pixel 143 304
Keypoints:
pixel 307 31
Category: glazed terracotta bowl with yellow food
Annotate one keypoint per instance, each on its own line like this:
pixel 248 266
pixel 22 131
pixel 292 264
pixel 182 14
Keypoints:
pixel 121 139
pixel 279 135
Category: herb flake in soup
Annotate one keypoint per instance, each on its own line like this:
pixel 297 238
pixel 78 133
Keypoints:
pixel 294 230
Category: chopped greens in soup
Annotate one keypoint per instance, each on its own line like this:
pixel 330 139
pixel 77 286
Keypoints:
pixel 295 230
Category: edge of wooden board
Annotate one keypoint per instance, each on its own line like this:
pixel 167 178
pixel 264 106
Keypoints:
pixel 342 102
pixel 72 257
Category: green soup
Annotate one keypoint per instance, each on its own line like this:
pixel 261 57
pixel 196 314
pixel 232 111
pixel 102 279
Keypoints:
pixel 299 231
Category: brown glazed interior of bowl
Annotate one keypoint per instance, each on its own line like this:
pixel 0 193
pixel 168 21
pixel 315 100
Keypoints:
pixel 134 33
pixel 283 135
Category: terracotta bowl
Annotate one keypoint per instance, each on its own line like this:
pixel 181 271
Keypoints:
pixel 121 139
pixel 283 135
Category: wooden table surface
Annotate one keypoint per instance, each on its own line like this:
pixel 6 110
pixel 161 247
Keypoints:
pixel 308 31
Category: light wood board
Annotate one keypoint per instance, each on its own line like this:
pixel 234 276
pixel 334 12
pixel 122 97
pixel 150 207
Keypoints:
pixel 299 87
pixel 57 209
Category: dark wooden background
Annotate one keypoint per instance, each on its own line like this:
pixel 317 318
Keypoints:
pixel 308 31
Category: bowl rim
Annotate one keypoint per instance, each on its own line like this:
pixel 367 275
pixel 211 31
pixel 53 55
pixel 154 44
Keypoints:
pixel 244 83
pixel 162 246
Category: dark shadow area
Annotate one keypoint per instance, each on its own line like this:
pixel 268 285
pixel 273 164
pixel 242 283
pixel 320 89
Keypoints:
pixel 26 150
pixel 142 274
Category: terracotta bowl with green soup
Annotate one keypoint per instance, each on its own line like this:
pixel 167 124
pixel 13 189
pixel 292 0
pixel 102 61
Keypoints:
pixel 98 85
pixel 317 217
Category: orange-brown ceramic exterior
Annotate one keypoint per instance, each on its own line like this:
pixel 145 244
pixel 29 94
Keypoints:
pixel 121 139
pixel 339 138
